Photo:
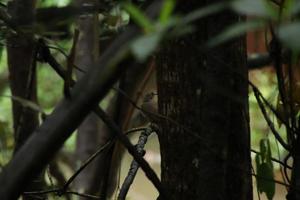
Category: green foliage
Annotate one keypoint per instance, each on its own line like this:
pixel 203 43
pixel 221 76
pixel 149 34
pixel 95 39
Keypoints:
pixel 265 171
pixel 234 31
pixel 289 35
pixel 143 46
pixel 263 12
pixel 155 32
pixel 47 3
pixel 258 8
pixel 203 12
pixel 6 142
pixel 50 87
pixel 166 11
pixel 138 17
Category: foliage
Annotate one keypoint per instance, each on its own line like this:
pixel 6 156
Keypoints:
pixel 264 167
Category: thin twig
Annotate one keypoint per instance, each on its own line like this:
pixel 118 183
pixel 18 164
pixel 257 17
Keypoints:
pixel 135 130
pixel 271 180
pixel 282 167
pixel 274 160
pixel 42 191
pixel 285 168
pixel 57 192
pixel 269 122
pixel 85 164
pixel 83 195
pixel 269 105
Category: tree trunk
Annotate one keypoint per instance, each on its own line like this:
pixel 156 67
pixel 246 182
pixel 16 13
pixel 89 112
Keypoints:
pixel 22 76
pixel 293 193
pixel 92 133
pixel 208 156
pixel 22 70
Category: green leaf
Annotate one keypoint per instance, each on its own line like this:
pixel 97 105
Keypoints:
pixel 166 11
pixel 269 153
pixel 258 8
pixel 289 35
pixel 264 168
pixel 258 160
pixel 143 46
pixel 235 31
pixel 263 149
pixel 204 12
pixel 265 180
pixel 138 16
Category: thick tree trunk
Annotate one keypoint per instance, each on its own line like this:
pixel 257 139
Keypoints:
pixel 208 156
pixel 22 76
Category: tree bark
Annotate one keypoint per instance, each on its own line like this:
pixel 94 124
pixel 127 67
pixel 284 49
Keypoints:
pixel 22 70
pixel 208 156
pixel 22 76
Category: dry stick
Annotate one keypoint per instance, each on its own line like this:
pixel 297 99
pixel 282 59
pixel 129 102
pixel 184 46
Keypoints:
pixel 131 149
pixel 134 165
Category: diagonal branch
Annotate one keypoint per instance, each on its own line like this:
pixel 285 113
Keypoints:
pixel 269 122
pixel 50 136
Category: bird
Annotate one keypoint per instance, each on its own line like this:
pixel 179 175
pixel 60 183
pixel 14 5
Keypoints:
pixel 149 107
pixel 148 111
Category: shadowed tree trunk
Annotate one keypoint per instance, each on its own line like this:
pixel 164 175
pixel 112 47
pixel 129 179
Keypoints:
pixel 22 76
pixel 208 156
pixel 92 133
pixel 22 70
pixel 294 193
